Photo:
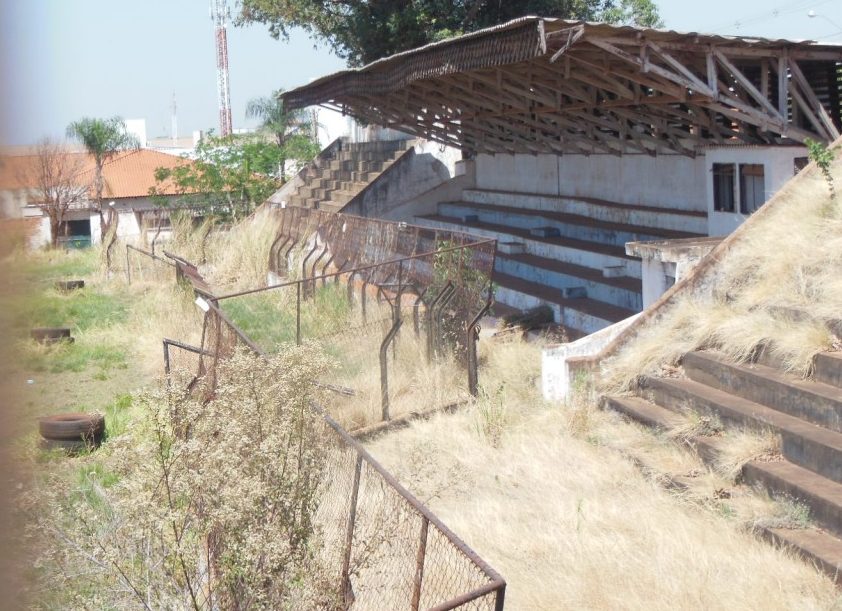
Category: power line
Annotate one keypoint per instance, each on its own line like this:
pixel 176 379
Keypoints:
pixel 779 11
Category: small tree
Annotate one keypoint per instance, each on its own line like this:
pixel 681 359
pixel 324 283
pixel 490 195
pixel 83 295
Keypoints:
pixel 103 139
pixel 291 130
pixel 230 176
pixel 210 504
pixel 54 177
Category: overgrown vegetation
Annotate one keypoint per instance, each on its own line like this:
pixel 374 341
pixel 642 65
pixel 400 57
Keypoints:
pixel 203 505
pixel 775 289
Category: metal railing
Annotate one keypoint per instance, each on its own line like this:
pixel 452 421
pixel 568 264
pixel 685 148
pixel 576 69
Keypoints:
pixel 388 550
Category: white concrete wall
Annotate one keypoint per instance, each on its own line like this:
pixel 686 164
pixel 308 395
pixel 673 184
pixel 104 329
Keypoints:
pixel 779 164
pixel 415 184
pixel 556 379
pixel 671 181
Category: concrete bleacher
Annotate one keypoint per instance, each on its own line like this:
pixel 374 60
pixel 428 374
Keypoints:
pixel 564 251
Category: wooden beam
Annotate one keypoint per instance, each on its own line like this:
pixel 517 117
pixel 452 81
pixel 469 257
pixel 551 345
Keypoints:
pixel 746 84
pixel 817 107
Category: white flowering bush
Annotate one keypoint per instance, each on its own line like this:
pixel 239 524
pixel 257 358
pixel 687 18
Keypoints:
pixel 209 505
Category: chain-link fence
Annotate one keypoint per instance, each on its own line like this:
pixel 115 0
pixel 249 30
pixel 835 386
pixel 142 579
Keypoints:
pixel 388 550
pixel 145 265
pixel 396 305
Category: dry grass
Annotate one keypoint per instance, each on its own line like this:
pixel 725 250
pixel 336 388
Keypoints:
pixel 553 503
pixel 790 259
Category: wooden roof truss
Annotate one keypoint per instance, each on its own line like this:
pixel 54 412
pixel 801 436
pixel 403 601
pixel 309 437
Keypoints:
pixel 587 89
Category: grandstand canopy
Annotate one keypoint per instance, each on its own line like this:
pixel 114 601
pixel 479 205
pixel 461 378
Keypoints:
pixel 538 85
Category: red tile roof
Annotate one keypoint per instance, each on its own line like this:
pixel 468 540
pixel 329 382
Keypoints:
pixel 128 174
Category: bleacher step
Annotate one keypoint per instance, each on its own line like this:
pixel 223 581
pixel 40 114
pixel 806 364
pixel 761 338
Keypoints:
pixel 810 446
pixel 829 368
pixel 815 402
pixel 584 314
pixel 814 546
pixel 634 214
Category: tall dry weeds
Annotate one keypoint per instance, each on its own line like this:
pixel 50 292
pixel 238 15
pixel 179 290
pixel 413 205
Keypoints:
pixel 203 505
pixel 789 262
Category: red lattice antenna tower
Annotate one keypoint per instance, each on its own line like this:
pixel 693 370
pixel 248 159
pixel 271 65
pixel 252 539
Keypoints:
pixel 219 15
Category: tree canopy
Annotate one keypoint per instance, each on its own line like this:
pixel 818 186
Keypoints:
pixel 362 31
pixel 231 175
pixel 292 131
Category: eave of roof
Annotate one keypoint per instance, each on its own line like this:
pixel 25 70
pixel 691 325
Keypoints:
pixel 374 92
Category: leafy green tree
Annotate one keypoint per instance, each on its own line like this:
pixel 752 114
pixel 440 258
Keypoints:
pixel 362 31
pixel 290 129
pixel 229 177
pixel 103 139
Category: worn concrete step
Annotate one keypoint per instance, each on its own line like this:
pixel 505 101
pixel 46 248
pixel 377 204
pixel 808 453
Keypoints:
pixel 330 206
pixel 820 548
pixel 603 210
pixel 622 291
pixel 568 225
pixel 808 445
pixel 644 412
pixel 381 146
pixel 342 197
pixel 829 368
pixel 813 401
pixel 823 496
pixel 570 250
pixel 582 314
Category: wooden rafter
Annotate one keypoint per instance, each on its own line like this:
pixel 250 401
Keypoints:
pixel 588 88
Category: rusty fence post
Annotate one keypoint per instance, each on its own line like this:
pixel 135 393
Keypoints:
pixel 128 266
pixel 384 369
pixel 429 316
pixel 472 334
pixel 438 316
pixel 420 556
pixel 167 359
pixel 349 534
pixel 298 313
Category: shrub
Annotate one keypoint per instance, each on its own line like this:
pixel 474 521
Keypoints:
pixel 208 505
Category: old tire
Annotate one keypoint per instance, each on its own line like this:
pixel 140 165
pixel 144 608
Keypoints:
pixel 69 446
pixel 73 427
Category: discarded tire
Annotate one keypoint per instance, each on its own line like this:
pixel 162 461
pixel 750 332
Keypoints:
pixel 70 285
pixel 67 445
pixel 51 335
pixel 79 428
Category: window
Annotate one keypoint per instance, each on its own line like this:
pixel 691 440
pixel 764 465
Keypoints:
pixel 752 187
pixel 723 187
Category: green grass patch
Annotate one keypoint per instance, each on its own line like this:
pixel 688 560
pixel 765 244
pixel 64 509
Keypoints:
pixel 91 478
pixel 269 318
pixel 118 415
pixel 75 357
pixel 80 310
pixel 51 265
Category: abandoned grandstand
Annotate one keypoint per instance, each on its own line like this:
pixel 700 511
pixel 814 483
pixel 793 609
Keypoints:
pixel 566 140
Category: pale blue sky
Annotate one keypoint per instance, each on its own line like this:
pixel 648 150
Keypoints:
pixel 64 59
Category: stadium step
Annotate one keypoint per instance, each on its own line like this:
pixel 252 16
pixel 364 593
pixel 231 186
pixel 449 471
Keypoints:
pixel 802 413
pixel 568 225
pixel 675 218
pixel 331 183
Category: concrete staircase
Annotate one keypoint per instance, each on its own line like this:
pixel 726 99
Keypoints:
pixel 338 178
pixel 565 252
pixel 805 414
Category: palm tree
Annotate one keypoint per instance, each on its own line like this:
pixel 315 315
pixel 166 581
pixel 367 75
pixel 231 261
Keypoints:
pixel 103 139
pixel 279 122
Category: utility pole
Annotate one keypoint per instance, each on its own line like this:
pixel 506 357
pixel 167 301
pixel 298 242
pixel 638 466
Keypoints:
pixel 219 14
